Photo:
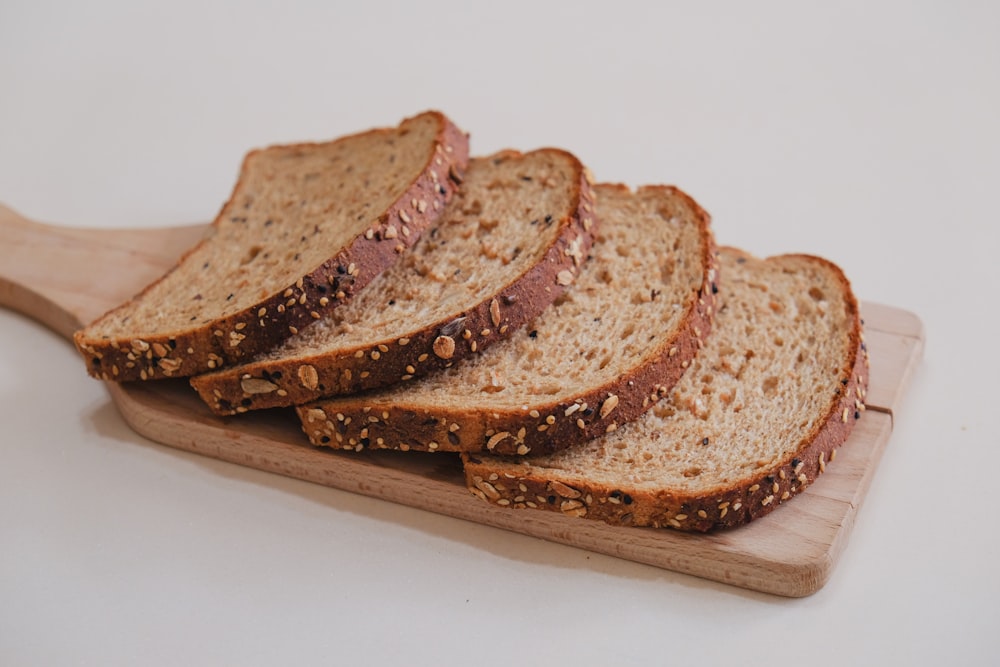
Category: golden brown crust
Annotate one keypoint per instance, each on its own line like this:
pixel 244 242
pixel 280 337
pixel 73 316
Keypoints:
pixel 274 318
pixel 591 412
pixel 727 507
pixel 275 383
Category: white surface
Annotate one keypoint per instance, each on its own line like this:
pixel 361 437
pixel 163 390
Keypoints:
pixel 867 133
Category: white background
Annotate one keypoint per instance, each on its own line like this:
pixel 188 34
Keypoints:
pixel 865 132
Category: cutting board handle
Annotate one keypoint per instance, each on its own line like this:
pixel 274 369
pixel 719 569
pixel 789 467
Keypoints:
pixel 65 277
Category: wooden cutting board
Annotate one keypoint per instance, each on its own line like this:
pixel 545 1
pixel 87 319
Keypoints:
pixel 64 277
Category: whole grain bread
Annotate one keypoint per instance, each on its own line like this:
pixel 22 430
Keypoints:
pixel 502 250
pixel 306 227
pixel 757 417
pixel 602 354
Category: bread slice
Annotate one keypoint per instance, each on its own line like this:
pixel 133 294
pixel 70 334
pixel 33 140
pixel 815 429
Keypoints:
pixel 753 422
pixel 306 227
pixel 603 353
pixel 504 248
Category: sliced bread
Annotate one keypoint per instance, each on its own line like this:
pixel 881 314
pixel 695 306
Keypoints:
pixel 603 353
pixel 306 227
pixel 514 235
pixel 753 422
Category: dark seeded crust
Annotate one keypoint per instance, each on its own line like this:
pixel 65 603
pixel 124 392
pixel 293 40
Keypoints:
pixel 722 507
pixel 549 428
pixel 260 327
pixel 399 359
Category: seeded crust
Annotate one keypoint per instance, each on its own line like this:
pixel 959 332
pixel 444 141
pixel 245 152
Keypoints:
pixel 493 262
pixel 732 443
pixel 187 324
pixel 535 391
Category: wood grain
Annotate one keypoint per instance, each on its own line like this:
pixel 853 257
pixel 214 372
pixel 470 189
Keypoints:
pixel 64 277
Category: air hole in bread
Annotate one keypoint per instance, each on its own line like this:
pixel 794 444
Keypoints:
pixel 251 255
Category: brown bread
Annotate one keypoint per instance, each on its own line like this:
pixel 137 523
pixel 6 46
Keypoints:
pixel 602 354
pixel 491 263
pixel 753 422
pixel 306 227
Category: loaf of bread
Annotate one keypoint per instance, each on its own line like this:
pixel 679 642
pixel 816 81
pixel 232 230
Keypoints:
pixel 607 349
pixel 306 227
pixel 757 417
pixel 500 253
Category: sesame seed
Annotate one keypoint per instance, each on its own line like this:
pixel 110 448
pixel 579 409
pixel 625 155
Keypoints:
pixel 444 347
pixel 610 403
pixel 495 439
pixel 404 217
pixel 495 312
pixel 308 376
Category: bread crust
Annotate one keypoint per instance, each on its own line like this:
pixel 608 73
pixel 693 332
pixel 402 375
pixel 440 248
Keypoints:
pixel 411 354
pixel 257 328
pixel 722 507
pixel 546 428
